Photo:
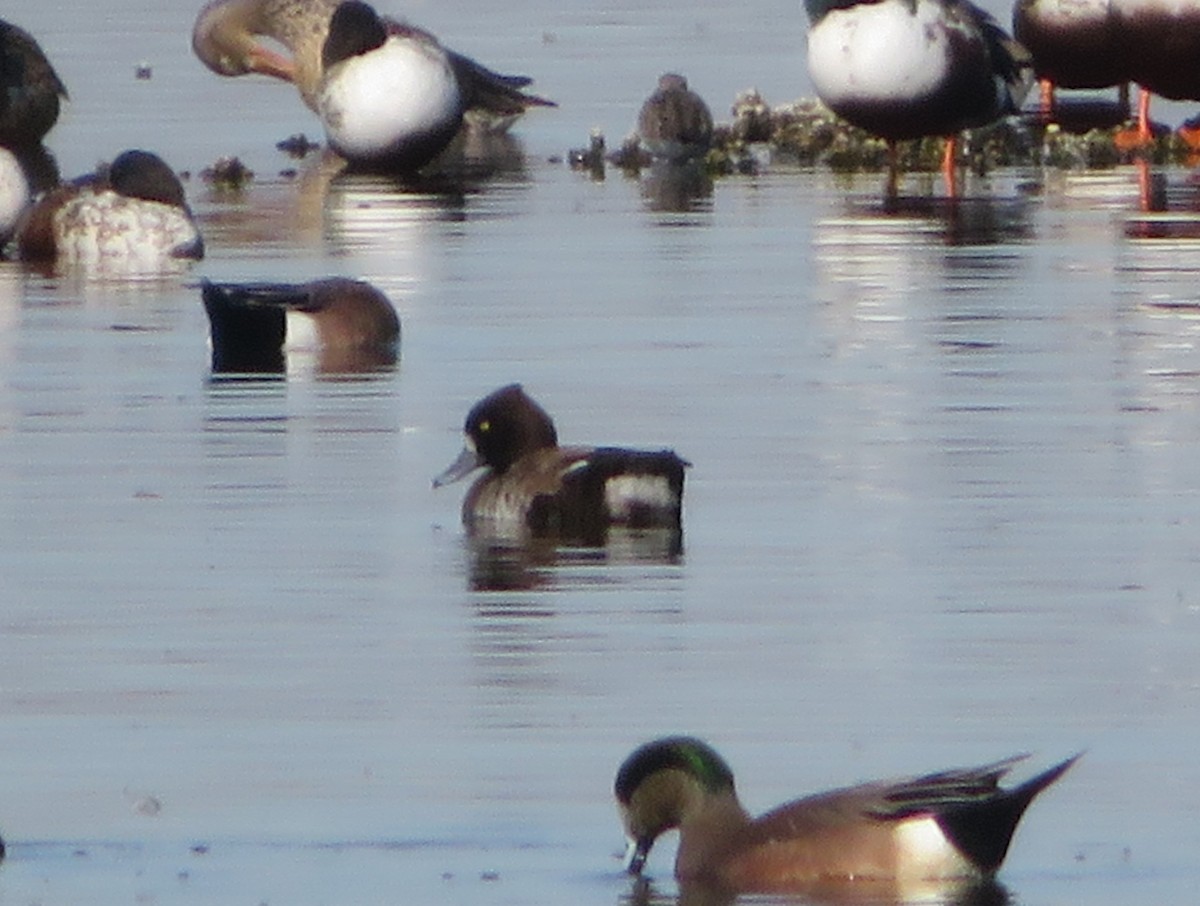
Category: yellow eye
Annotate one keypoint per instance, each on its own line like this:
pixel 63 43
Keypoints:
pixel 484 427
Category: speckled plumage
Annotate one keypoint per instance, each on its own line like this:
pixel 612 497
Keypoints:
pixel 130 217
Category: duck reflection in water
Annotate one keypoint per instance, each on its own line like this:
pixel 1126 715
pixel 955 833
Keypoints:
pixel 988 892
pixel 349 326
pixel 677 187
pixel 533 563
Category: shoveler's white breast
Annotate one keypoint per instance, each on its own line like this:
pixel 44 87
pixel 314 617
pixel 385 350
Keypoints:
pixel 14 193
pixel 111 230
pixel 881 51
pixel 372 101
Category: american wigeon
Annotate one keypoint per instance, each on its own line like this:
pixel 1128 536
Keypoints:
pixel 951 825
pixel 574 493
pixel 129 216
pixel 30 89
pixel 674 123
pixel 349 324
pixel 15 195
pixel 225 38
pixel 905 69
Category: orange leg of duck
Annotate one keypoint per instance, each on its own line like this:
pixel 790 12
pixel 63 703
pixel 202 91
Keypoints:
pixel 1142 136
pixel 1046 100
pixel 949 170
pixel 1189 132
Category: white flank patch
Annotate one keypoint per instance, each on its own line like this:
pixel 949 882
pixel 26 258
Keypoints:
pixel 14 193
pixel 926 854
pixel 301 332
pixel 371 101
pixel 111 231
pixel 878 51
pixel 624 493
pixel 1068 13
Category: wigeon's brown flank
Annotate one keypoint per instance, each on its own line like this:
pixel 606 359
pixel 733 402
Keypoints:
pixel 952 825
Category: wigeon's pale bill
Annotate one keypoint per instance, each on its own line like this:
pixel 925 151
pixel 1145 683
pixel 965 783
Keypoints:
pixel 227 39
pixel 531 485
pixel 953 825
pixel 130 216
pixel 905 69
pixel 30 89
pixel 350 325
pixel 674 123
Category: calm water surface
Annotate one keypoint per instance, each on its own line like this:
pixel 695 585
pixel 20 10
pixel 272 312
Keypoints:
pixel 943 505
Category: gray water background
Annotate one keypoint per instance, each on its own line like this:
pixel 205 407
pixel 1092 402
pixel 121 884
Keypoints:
pixel 943 506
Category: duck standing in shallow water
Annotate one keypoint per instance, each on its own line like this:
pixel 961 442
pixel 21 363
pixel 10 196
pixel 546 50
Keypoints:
pixel 1075 44
pixel 226 39
pixel 674 123
pixel 1105 43
pixel 573 493
pixel 349 324
pixel 954 825
pixel 30 89
pixel 905 69
pixel 128 217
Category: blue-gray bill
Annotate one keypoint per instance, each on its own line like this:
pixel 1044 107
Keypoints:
pixel 636 852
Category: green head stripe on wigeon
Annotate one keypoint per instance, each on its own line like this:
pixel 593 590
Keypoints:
pixel 681 753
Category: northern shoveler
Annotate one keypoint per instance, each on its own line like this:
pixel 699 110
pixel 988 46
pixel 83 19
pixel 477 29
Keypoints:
pixel 1106 43
pixel 15 194
pixel 534 485
pixel 952 825
pixel 904 69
